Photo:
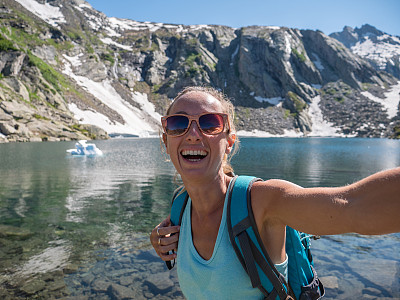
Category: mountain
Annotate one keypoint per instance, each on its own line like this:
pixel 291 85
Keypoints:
pixel 70 72
pixel 380 49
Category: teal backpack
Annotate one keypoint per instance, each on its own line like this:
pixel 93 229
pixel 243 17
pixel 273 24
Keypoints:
pixel 303 281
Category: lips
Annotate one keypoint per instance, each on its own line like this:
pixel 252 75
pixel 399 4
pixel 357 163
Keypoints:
pixel 194 155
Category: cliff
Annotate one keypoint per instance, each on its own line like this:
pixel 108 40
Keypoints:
pixel 70 72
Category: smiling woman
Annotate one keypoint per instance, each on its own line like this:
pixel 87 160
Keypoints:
pixel 179 123
pixel 199 135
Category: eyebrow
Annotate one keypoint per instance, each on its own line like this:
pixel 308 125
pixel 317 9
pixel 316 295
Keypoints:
pixel 182 112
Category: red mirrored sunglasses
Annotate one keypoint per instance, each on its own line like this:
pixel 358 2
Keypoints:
pixel 208 123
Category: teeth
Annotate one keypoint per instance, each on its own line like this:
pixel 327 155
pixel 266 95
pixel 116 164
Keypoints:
pixel 194 152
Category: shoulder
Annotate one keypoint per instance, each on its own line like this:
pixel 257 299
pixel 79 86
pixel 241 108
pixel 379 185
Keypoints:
pixel 273 188
pixel 268 196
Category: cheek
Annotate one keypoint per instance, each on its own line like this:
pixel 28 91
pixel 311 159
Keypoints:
pixel 223 146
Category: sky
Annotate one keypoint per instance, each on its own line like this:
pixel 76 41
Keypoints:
pixel 325 15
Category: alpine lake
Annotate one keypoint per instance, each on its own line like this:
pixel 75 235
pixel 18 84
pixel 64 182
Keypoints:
pixel 78 227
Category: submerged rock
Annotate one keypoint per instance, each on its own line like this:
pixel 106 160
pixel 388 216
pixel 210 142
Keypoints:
pixel 33 287
pixel 14 232
pixel 159 283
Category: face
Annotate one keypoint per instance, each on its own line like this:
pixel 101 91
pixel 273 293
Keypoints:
pixel 195 154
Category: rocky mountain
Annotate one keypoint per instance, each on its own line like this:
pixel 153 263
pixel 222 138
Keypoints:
pixel 70 72
pixel 380 49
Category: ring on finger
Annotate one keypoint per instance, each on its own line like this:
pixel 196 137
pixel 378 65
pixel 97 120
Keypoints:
pixel 159 241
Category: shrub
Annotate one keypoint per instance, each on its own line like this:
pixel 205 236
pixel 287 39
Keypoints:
pixel 6 45
pixel 300 56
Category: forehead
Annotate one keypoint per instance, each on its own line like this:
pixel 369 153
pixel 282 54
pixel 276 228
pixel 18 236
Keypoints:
pixel 194 103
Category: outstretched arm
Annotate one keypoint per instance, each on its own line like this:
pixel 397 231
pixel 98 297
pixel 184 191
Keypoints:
pixel 369 206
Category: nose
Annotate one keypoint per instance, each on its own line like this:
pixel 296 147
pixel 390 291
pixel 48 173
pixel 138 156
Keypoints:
pixel 194 132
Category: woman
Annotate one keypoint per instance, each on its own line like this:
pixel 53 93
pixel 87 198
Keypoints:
pixel 199 153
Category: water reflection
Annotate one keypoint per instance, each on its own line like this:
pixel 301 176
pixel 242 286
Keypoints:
pixel 57 211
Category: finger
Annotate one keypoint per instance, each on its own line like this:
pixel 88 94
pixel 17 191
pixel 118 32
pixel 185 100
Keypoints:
pixel 167 257
pixel 163 231
pixel 166 222
pixel 167 248
pixel 170 239
pixel 164 241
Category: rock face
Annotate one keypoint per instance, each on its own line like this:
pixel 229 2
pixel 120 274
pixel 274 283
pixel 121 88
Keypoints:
pixel 380 49
pixel 77 68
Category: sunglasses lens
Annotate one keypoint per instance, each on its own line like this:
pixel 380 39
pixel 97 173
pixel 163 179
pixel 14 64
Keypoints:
pixel 211 123
pixel 176 125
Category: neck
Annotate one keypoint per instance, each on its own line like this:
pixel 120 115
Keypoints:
pixel 208 196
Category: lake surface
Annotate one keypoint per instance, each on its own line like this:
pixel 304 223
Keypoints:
pixel 78 227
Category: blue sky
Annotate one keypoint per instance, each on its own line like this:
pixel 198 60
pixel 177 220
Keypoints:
pixel 326 15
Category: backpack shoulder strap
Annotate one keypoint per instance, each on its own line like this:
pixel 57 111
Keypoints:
pixel 247 243
pixel 179 201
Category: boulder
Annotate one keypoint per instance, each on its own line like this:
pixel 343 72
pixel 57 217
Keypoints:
pixel 17 86
pixel 11 62
pixel 159 283
pixel 7 129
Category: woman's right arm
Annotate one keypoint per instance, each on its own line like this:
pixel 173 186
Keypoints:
pixel 164 239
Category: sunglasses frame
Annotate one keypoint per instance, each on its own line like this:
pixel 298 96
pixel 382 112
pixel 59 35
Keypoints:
pixel 196 119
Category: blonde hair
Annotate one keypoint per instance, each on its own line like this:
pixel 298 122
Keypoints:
pixel 228 108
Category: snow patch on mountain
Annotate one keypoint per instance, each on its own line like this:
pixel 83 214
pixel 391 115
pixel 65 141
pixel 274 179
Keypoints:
pixel 117 25
pixel 391 100
pixel 135 119
pixel 320 127
pixel 50 14
pixel 380 51
pixel 109 41
pixel 317 62
pixel 259 133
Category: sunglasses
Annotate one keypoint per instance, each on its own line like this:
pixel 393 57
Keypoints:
pixel 208 123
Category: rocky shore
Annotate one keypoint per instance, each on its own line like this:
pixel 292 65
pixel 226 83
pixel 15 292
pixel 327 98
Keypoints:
pixel 122 273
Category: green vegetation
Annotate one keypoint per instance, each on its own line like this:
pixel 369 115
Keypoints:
pixel 108 57
pixel 300 56
pixel 24 39
pixel 6 45
pixel 39 117
pixel 53 77
pixel 299 104
pixel 65 45
pixel 286 113
pixel 141 87
pixel 84 131
pixel 339 99
pixel 74 35
pixel 89 49
pixel 48 72
pixel 330 91
pixel 365 86
pixel 192 61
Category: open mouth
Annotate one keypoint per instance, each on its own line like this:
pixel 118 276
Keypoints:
pixel 194 155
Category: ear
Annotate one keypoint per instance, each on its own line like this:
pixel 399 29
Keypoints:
pixel 164 137
pixel 231 141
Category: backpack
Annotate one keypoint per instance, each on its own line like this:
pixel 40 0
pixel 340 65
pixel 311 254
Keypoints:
pixel 244 236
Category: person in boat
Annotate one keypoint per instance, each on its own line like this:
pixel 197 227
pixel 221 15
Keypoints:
pixel 199 135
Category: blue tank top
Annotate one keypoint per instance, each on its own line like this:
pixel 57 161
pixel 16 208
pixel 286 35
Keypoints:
pixel 220 277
